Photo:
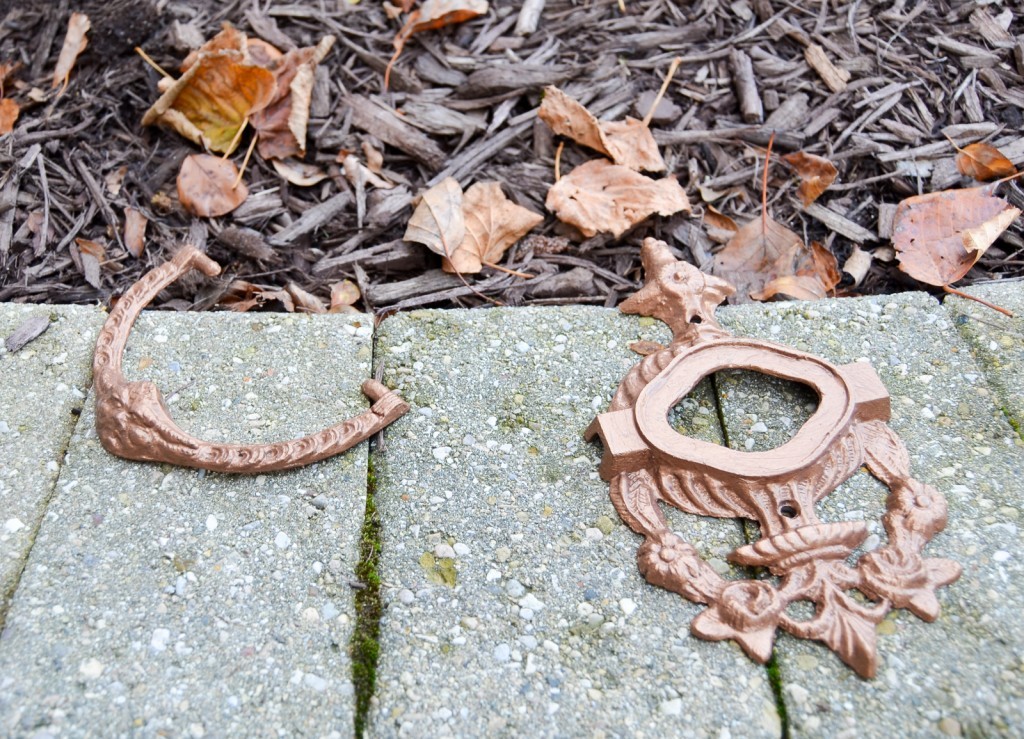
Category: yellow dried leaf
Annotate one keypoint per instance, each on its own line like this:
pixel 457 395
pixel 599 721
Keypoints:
pixel 213 99
pixel 206 186
pixel 601 197
pixel 493 224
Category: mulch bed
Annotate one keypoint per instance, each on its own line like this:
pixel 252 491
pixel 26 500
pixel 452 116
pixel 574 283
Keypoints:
pixel 876 87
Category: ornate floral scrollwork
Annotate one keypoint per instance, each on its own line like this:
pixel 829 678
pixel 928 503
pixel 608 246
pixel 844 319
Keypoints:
pixel 647 464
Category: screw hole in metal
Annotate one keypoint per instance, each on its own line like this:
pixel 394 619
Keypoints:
pixel 788 509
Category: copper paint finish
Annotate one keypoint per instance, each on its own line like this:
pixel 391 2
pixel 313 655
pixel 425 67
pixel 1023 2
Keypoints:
pixel 133 422
pixel 648 462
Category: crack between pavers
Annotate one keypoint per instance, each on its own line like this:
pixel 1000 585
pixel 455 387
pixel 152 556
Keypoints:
pixel 364 647
pixel 773 673
pixel 7 598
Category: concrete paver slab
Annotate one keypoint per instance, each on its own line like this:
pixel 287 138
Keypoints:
pixel 514 606
pixel 997 341
pixel 965 672
pixel 166 601
pixel 43 386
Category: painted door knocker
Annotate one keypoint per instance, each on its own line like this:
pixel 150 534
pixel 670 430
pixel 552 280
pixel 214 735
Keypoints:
pixel 647 462
pixel 133 422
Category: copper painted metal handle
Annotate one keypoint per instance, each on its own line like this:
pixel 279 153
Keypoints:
pixel 133 422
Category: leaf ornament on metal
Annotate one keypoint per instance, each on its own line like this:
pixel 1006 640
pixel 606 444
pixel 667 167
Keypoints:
pixel 648 463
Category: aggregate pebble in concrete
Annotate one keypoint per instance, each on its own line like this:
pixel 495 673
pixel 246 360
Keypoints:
pixel 166 601
pixel 965 672
pixel 997 341
pixel 43 385
pixel 513 604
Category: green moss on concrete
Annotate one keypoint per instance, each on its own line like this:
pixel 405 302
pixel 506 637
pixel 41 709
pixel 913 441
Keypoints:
pixel 365 647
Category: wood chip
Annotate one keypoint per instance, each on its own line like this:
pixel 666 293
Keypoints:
pixel 840 224
pixel 28 330
pixel 833 77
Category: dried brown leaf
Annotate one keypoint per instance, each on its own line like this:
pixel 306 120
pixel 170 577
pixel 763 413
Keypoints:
pixel 9 111
pixel 646 348
pixel 601 197
pixel 206 186
pixel 984 162
pixel 762 253
pixel 816 174
pixel 134 231
pixel 93 254
pixel 437 222
pixel 114 178
pixel 344 295
pixel 493 224
pixel 74 44
pixel 628 143
pixel 431 15
pixel 281 125
pixel 797 287
pixel 305 302
pixel 939 236
pixel 243 296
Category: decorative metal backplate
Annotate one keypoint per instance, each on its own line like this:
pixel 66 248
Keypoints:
pixel 648 462
pixel 133 422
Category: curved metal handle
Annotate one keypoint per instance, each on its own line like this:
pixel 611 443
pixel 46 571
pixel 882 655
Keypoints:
pixel 133 422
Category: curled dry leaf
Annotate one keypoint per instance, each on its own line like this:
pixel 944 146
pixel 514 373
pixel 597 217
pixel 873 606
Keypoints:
pixel 134 231
pixel 628 143
pixel 984 162
pixel 220 90
pixel 438 222
pixel 206 186
pixel 765 258
pixel 939 236
pixel 298 172
pixel 344 295
pixel 804 273
pixel 493 224
pixel 858 264
pixel 601 197
pixel 243 296
pixel 816 174
pixel 281 125
pixel 431 15
pixel 305 302
pixel 92 254
pixel 74 44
